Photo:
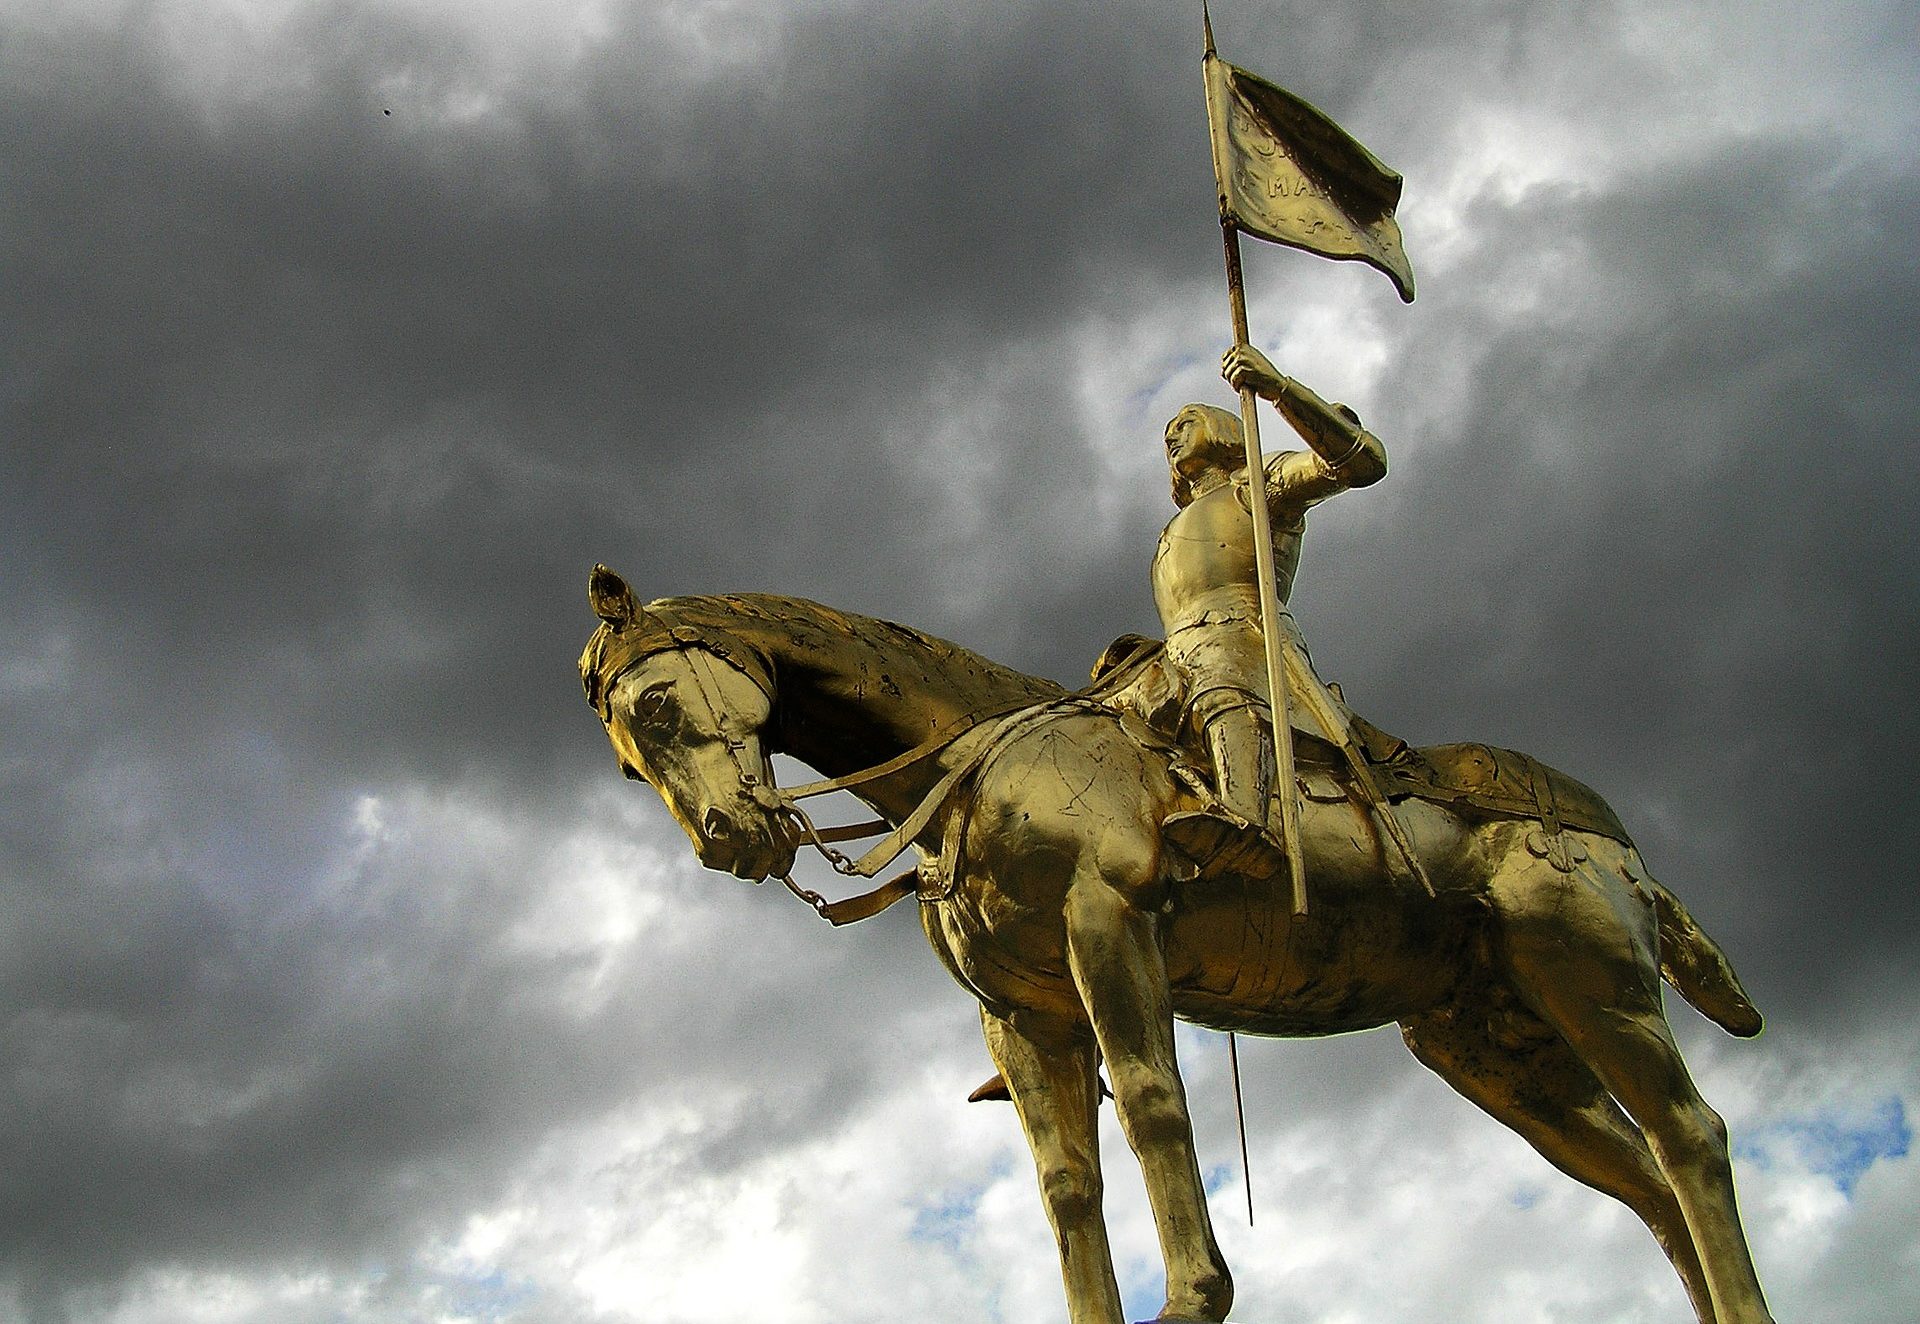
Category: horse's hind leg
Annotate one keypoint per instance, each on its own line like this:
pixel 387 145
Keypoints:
pixel 1114 951
pixel 1581 949
pixel 1051 1074
pixel 1546 1093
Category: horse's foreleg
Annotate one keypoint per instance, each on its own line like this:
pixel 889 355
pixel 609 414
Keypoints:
pixel 1114 951
pixel 1051 1073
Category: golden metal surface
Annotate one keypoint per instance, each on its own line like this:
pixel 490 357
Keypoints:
pixel 1088 884
pixel 1220 576
pixel 1530 983
pixel 1287 173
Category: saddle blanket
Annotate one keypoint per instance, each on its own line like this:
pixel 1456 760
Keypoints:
pixel 1502 782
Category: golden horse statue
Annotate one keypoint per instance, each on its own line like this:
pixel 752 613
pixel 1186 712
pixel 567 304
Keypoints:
pixel 1530 981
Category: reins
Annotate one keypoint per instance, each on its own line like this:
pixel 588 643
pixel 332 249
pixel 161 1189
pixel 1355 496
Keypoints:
pixel 699 654
pixel 855 908
pixel 700 647
pixel 888 849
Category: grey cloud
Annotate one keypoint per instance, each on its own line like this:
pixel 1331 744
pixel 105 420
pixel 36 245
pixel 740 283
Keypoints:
pixel 317 416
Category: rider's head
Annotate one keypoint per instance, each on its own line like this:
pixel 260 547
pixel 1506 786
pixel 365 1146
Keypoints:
pixel 1199 438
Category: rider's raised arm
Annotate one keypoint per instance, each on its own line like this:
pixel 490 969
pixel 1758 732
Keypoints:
pixel 1299 479
pixel 1343 454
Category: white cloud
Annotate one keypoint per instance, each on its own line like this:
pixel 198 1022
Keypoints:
pixel 334 999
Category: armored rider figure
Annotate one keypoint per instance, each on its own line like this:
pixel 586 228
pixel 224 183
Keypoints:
pixel 1206 587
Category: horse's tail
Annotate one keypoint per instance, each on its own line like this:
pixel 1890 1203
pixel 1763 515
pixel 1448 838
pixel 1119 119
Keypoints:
pixel 1694 964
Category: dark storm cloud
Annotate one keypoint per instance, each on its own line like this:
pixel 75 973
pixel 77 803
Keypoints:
pixel 612 292
pixel 1669 535
pixel 266 1084
pixel 318 414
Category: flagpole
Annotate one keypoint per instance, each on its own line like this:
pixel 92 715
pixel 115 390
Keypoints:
pixel 1240 1113
pixel 1283 773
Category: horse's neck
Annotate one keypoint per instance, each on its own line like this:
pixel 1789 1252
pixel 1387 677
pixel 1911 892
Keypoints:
pixel 854 692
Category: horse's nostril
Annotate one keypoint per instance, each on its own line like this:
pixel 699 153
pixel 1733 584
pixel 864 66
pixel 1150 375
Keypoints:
pixel 717 825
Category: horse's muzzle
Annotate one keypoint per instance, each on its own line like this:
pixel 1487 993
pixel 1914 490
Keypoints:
pixel 754 853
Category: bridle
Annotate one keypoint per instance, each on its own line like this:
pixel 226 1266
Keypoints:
pixel 700 648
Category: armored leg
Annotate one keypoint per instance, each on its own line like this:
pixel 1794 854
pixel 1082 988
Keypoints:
pixel 1242 750
pixel 1239 831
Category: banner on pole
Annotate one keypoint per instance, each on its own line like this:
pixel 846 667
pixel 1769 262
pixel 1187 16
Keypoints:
pixel 1289 174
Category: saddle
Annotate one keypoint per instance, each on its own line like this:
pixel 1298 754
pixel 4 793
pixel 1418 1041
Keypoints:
pixel 1135 679
pixel 1136 682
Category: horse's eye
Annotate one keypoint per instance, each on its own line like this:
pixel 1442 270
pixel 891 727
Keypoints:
pixel 652 706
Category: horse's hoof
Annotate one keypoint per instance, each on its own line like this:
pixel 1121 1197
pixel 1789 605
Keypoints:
pixel 990 1090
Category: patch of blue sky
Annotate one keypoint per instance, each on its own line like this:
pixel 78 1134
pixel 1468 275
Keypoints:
pixel 1201 1049
pixel 1140 400
pixel 1525 1197
pixel 1215 1179
pixel 949 1219
pixel 1837 1143
pixel 479 1296
pixel 1143 1288
pixel 489 1298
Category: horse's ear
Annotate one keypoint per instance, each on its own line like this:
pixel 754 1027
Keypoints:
pixel 611 599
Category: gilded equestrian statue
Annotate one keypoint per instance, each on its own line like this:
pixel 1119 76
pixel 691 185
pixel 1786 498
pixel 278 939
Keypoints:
pixel 1528 977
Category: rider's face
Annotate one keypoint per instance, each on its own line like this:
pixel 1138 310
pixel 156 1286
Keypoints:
pixel 1189 447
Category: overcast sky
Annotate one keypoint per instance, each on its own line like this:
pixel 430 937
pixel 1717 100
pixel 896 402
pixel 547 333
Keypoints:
pixel 343 979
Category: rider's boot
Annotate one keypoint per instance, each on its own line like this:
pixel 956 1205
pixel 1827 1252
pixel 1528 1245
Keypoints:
pixel 1233 832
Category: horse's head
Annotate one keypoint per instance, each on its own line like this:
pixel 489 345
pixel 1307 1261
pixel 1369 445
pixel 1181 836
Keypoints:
pixel 684 707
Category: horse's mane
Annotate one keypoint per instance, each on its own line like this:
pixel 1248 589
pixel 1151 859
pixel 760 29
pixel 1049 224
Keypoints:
pixel 808 624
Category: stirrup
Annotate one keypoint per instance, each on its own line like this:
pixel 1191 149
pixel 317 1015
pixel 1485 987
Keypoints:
pixel 1218 840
